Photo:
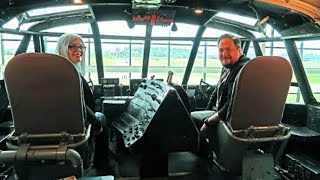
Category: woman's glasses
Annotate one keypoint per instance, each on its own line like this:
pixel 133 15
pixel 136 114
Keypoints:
pixel 75 48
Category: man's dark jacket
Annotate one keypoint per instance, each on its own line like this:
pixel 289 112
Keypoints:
pixel 221 96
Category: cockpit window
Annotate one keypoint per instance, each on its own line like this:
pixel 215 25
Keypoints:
pixel 310 56
pixel 241 19
pixel 76 28
pixel 53 10
pixel 121 28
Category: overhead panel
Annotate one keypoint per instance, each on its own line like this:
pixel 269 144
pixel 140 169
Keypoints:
pixel 146 4
pixel 162 17
pixel 150 4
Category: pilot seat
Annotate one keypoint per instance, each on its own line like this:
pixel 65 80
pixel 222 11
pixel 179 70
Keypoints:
pixel 252 139
pixel 51 138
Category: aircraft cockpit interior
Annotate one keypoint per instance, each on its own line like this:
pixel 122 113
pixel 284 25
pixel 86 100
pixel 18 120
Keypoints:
pixel 159 89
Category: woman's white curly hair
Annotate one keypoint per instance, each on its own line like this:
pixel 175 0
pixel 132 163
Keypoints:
pixel 62 49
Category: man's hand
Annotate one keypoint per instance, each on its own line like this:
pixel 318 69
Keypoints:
pixel 208 122
pixel 204 130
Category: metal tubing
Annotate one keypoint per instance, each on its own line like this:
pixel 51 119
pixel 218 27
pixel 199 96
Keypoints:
pixel 45 154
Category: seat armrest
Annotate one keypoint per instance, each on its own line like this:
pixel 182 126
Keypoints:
pixel 43 141
pixel 258 134
pixel 262 132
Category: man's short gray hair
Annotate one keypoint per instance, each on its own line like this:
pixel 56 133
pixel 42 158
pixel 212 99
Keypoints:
pixel 235 39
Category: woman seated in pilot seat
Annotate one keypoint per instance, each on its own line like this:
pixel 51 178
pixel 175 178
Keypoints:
pixel 71 46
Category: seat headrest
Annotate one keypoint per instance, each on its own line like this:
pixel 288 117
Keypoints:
pixel 45 94
pixel 260 93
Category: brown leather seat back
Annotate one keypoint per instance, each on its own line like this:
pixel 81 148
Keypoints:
pixel 45 94
pixel 260 93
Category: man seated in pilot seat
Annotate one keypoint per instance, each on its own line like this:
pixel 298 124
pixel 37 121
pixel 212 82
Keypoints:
pixel 232 60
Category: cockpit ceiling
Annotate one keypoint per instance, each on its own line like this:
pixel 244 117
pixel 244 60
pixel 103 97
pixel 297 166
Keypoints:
pixel 310 8
pixel 283 14
pixel 313 2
